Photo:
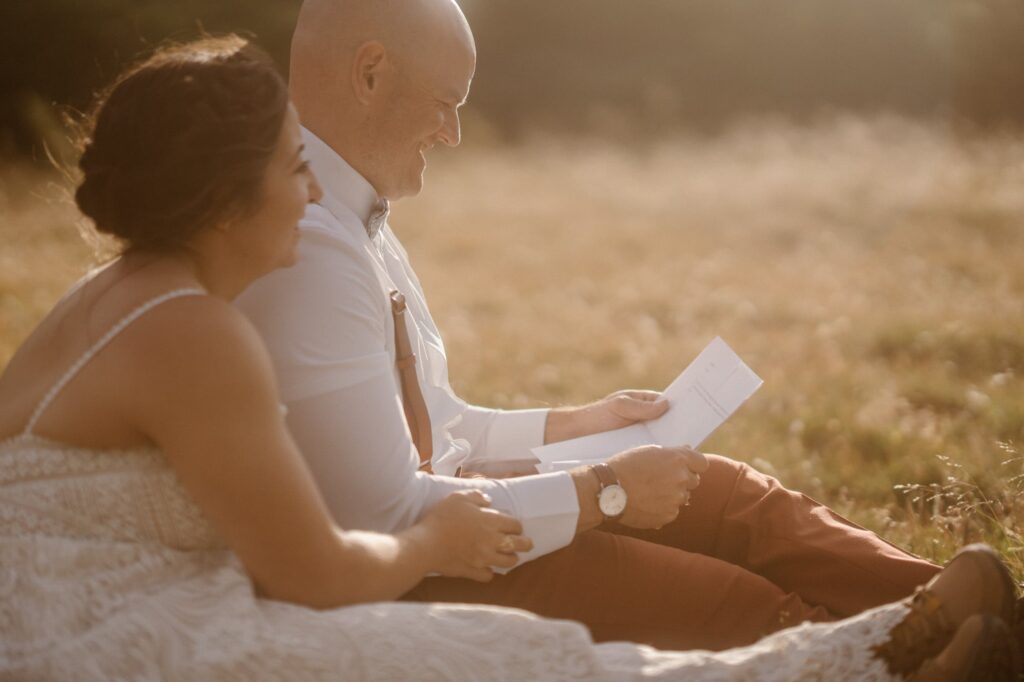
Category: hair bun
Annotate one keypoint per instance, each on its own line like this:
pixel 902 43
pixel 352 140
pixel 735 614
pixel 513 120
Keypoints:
pixel 180 142
pixel 98 195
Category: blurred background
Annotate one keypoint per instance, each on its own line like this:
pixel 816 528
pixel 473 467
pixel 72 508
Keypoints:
pixel 642 67
pixel 836 188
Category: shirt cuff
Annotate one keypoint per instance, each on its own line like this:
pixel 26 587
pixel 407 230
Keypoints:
pixel 547 506
pixel 515 432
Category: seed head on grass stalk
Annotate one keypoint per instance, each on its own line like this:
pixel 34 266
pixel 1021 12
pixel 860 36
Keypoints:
pixel 965 509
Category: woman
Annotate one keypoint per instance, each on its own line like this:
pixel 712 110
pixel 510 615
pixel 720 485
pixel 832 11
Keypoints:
pixel 156 520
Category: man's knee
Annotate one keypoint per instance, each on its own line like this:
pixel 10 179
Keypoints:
pixel 724 477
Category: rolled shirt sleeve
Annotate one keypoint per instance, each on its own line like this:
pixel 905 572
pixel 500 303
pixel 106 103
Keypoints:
pixel 326 324
pixel 513 433
pixel 499 439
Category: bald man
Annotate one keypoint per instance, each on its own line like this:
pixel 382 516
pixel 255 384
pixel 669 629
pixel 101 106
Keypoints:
pixel 663 546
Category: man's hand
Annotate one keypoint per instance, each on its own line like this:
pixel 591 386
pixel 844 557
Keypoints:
pixel 657 481
pixel 615 411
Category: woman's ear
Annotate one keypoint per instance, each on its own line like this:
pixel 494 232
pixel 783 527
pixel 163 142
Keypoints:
pixel 368 67
pixel 235 217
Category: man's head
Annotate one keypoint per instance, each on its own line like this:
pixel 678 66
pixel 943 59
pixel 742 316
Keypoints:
pixel 381 82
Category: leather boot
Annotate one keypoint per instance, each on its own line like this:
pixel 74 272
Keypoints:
pixel 975 581
pixel 983 648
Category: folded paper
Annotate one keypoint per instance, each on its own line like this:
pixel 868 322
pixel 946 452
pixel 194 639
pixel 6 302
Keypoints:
pixel 701 398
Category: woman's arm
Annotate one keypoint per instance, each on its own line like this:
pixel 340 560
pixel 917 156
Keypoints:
pixel 206 396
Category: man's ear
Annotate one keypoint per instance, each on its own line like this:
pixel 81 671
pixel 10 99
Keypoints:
pixel 369 65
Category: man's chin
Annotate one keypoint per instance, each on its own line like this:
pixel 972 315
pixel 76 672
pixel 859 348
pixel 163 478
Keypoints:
pixel 409 189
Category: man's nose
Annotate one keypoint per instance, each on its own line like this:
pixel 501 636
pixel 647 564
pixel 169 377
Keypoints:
pixel 451 131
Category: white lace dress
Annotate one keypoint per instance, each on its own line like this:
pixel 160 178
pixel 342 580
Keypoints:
pixel 108 571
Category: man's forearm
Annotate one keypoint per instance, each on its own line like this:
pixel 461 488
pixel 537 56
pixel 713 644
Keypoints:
pixel 562 424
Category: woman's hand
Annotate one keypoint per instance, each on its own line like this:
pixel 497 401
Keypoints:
pixel 465 538
pixel 657 482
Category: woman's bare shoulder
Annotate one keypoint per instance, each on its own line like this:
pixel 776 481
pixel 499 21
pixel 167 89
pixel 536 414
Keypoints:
pixel 190 355
pixel 194 333
pixel 199 361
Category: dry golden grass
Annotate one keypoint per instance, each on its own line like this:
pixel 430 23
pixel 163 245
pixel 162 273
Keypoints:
pixel 871 271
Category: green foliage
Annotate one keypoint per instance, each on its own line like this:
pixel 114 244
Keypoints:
pixel 632 69
pixel 59 52
pixel 654 63
pixel 989 69
pixel 650 65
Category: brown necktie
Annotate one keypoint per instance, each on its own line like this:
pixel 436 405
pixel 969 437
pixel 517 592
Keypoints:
pixel 412 398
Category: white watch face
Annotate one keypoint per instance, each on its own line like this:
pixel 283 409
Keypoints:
pixel 612 500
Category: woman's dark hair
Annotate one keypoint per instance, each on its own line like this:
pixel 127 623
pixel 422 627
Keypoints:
pixel 180 142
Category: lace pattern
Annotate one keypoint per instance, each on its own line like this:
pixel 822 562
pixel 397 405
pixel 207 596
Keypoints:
pixel 54 490
pixel 108 571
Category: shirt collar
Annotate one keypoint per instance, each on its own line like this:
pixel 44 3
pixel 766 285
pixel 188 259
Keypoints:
pixel 340 181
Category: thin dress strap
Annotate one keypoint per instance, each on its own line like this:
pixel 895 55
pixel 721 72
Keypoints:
pixel 98 346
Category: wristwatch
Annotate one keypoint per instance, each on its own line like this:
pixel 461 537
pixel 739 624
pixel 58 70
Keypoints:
pixel 611 499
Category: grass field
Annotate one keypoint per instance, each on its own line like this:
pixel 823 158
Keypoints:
pixel 872 272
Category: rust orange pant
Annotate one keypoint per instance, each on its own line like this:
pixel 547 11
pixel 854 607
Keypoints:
pixel 746 558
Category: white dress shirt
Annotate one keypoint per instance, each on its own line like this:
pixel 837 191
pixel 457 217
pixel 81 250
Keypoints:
pixel 328 324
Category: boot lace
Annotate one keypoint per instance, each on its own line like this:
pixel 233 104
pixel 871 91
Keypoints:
pixel 922 634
